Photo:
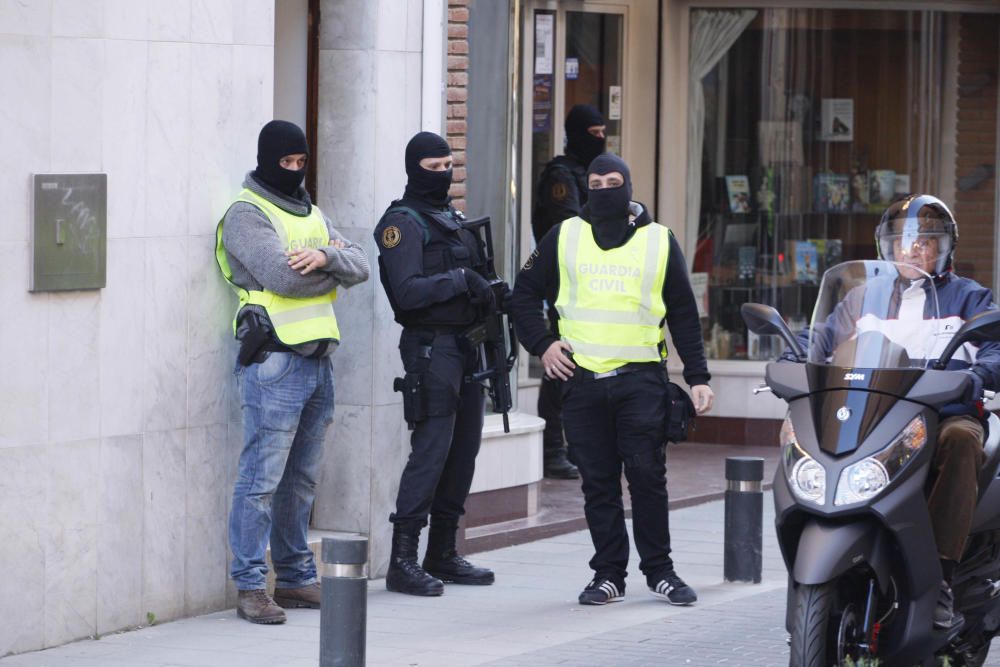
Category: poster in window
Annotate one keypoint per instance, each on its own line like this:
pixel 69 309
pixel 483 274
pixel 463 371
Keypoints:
pixel 881 188
pixel 780 142
pixel 831 193
pixel 614 102
pixel 699 285
pixel 738 193
pixel 804 261
pixel 836 117
pixel 544 41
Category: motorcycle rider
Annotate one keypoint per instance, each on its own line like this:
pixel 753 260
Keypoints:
pixel 920 231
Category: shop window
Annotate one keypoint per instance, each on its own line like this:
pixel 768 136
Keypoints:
pixel 804 125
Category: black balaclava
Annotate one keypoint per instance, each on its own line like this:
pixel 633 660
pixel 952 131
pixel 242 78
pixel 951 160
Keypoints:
pixel 423 184
pixel 580 143
pixel 607 209
pixel 278 139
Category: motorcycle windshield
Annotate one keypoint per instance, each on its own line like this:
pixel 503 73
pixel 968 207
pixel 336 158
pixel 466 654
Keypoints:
pixel 875 314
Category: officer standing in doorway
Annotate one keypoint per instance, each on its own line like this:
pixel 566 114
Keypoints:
pixel 615 277
pixel 285 260
pixel 430 268
pixel 562 191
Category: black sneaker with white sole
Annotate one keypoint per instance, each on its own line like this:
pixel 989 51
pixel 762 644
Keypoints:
pixel 602 591
pixel 672 588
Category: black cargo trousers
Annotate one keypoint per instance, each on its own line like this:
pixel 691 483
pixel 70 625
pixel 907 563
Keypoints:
pixel 613 423
pixel 448 425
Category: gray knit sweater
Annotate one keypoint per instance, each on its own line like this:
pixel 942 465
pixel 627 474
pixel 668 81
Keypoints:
pixel 257 256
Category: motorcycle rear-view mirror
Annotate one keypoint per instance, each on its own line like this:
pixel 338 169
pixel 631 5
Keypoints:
pixel 766 321
pixel 981 328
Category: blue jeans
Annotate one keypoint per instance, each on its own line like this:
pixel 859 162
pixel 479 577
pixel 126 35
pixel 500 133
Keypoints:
pixel 287 404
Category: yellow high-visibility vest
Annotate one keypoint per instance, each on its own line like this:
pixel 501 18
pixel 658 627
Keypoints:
pixel 610 302
pixel 295 320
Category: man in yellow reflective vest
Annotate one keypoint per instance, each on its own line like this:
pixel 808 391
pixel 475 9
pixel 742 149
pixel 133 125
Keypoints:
pixel 285 261
pixel 616 277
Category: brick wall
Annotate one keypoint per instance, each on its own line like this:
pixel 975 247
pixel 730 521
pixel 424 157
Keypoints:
pixel 976 144
pixel 457 92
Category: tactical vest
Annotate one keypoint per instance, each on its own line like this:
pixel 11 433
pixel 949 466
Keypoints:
pixel 295 320
pixel 610 302
pixel 447 245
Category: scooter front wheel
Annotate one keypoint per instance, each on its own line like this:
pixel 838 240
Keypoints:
pixel 826 629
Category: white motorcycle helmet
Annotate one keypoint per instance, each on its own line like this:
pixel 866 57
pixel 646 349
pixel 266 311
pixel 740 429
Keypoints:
pixel 915 220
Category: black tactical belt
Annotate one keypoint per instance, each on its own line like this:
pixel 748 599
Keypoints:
pixel 632 367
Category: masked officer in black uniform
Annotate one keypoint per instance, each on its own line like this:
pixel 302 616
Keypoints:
pixel 430 269
pixel 616 277
pixel 562 191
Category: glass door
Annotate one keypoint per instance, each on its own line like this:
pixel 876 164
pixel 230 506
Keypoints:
pixel 578 59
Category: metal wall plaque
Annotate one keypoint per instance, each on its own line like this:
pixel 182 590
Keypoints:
pixel 70 239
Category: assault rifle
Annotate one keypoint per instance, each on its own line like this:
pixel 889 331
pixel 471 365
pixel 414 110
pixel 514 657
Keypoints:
pixel 493 339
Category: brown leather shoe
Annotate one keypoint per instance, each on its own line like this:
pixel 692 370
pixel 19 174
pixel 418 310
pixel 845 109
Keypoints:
pixel 257 607
pixel 307 597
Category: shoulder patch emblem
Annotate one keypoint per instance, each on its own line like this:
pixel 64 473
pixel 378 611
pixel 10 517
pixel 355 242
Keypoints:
pixel 559 191
pixel 391 237
pixel 531 261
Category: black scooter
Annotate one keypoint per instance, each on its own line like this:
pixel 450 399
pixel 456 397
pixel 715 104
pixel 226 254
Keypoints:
pixel 851 509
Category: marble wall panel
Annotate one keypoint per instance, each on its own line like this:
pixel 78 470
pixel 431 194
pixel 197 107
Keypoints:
pixel 352 363
pixel 74 363
pixel 346 180
pixel 211 188
pixel 24 383
pixel 165 334
pixel 77 18
pixel 23 514
pixel 206 463
pixel 77 104
pixel 253 22
pixel 126 19
pixel 122 342
pixel 390 443
pixel 164 523
pixel 210 345
pixel 124 136
pixel 168 138
pixel 170 21
pixel 347 24
pixel 27 79
pixel 413 93
pixel 386 362
pixel 71 541
pixel 120 515
pixel 206 565
pixel 391 23
pixel 344 488
pixel 414 25
pixel 212 21
pixel 252 106
pixel 395 128
pixel 25 18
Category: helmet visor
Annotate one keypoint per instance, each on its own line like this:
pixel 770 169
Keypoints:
pixel 922 242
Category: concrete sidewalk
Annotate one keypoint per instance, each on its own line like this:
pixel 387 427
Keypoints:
pixel 530 616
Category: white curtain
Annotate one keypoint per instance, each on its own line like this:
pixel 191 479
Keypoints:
pixel 712 35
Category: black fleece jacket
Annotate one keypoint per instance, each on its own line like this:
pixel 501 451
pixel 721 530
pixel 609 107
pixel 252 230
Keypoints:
pixel 539 279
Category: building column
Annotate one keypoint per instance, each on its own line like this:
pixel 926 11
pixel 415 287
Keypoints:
pixel 369 107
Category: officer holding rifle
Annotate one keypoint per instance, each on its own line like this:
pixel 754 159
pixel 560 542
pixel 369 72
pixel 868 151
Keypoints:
pixel 442 290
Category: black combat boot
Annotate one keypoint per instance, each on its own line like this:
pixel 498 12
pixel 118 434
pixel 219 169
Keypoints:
pixel 404 575
pixel 442 561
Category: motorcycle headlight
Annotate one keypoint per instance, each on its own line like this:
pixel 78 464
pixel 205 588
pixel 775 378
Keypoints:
pixel 866 478
pixel 808 480
pixel 806 476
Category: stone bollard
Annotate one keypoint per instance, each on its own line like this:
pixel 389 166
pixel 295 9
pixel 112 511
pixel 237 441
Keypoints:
pixel 344 611
pixel 744 518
